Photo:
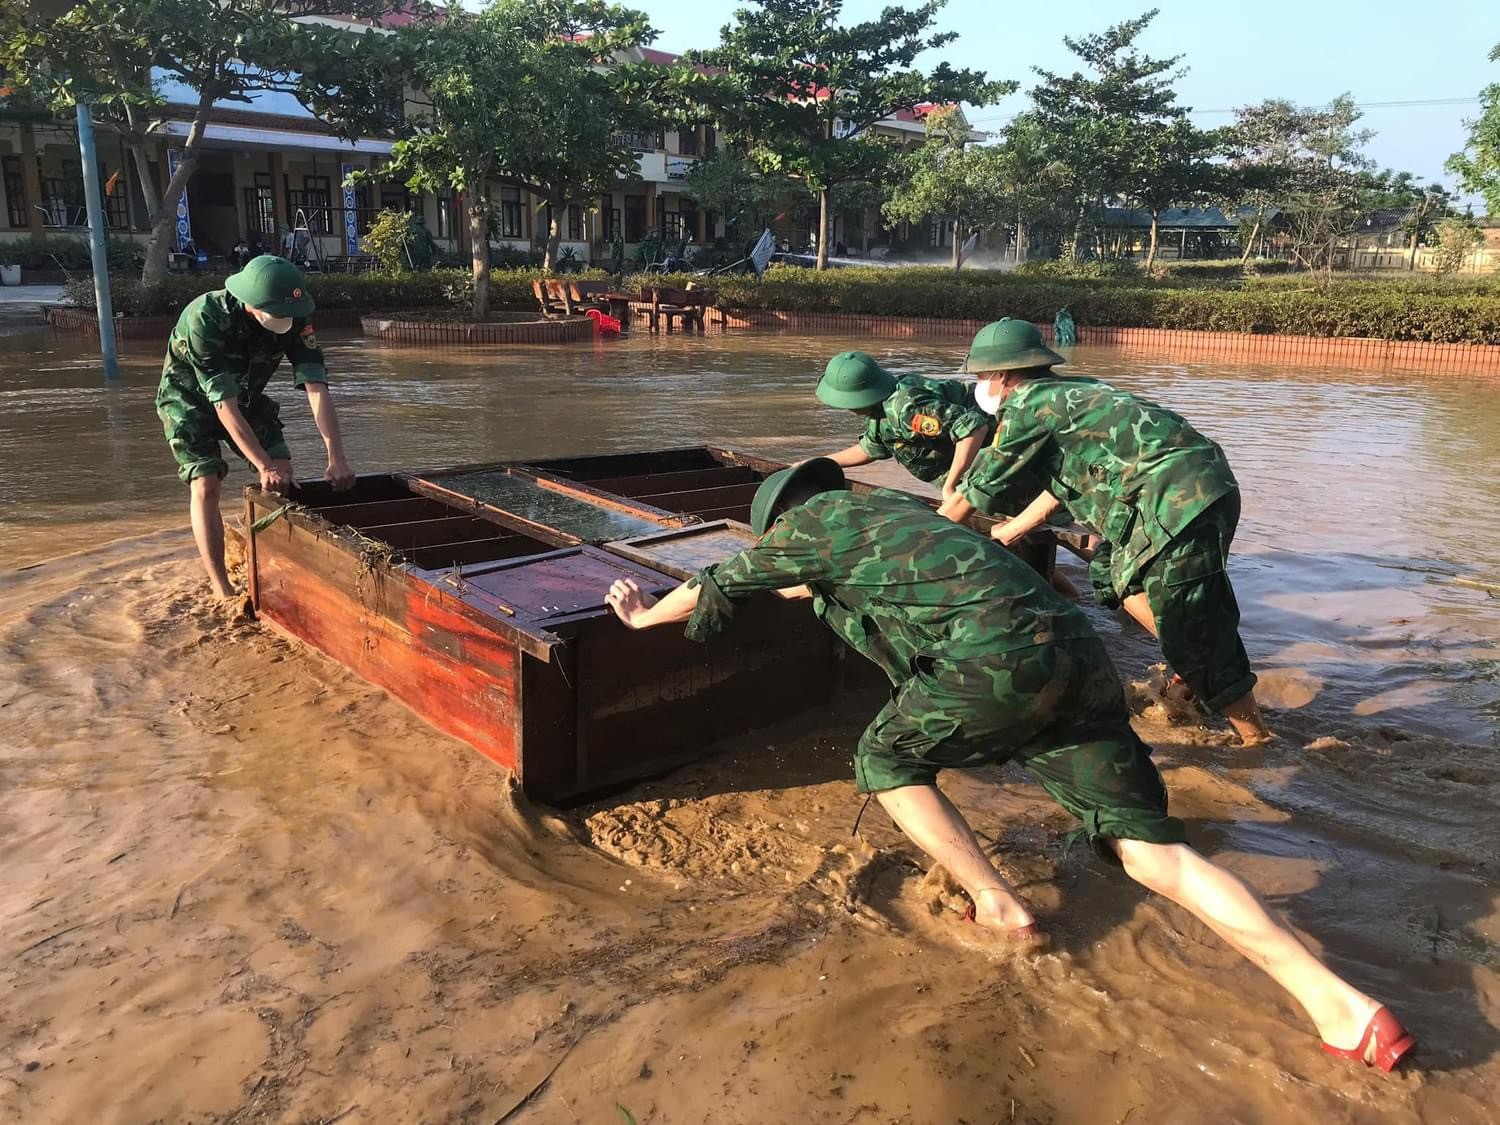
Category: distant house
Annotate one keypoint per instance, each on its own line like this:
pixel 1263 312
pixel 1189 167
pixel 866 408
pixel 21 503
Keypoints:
pixel 1182 232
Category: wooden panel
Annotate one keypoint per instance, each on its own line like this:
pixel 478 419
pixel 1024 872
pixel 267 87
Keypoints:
pixel 446 555
pixel 523 503
pixel 370 486
pixel 655 699
pixel 738 512
pixel 704 499
pixel 644 483
pixel 682 553
pixel 426 533
pixel 599 466
pixel 374 512
pixel 546 588
pixel 458 673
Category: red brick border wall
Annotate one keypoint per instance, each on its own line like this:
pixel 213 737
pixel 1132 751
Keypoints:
pixel 443 332
pixel 1469 359
pixel 160 327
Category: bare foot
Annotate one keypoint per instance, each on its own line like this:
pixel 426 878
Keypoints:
pixel 236 607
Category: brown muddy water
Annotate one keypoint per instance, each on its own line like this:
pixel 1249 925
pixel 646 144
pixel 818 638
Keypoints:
pixel 240 885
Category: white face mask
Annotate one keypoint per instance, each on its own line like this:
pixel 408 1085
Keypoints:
pixel 987 395
pixel 280 325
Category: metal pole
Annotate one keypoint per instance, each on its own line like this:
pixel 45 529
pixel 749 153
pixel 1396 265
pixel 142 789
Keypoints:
pixel 97 251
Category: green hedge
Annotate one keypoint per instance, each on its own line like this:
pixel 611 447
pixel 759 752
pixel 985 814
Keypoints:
pixel 433 289
pixel 1405 309
pixel 1379 309
pixel 70 254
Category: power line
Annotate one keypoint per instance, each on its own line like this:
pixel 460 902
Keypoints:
pixel 1001 119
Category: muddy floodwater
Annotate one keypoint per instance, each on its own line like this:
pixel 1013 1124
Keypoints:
pixel 241 885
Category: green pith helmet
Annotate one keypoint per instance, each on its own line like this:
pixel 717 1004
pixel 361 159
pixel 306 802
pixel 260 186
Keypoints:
pixel 854 381
pixel 821 472
pixel 273 285
pixel 1009 345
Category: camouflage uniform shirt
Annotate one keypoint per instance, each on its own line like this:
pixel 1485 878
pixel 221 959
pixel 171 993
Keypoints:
pixel 897 582
pixel 1134 471
pixel 920 423
pixel 218 351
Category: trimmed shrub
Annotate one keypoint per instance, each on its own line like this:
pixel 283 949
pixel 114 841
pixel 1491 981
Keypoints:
pixel 1377 309
pixel 450 289
pixel 71 254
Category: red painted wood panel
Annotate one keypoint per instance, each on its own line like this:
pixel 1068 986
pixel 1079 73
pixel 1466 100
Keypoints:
pixel 457 675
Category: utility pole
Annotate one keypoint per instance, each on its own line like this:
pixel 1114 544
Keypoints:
pixel 97 246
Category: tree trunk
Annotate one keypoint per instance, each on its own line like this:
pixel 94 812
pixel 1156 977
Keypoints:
pixel 1250 242
pixel 143 174
pixel 1151 249
pixel 479 239
pixel 958 246
pixel 1021 246
pixel 159 245
pixel 823 229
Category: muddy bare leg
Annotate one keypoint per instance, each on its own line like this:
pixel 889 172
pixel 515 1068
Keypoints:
pixel 939 829
pixel 1245 717
pixel 208 532
pixel 1139 609
pixel 1233 911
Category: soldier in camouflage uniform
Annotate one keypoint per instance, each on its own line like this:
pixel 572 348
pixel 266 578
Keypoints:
pixel 1160 493
pixel 989 665
pixel 226 346
pixel 931 426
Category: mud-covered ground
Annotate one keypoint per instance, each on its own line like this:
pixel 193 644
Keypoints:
pixel 241 885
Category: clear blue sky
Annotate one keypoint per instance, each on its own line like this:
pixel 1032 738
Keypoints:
pixel 1305 50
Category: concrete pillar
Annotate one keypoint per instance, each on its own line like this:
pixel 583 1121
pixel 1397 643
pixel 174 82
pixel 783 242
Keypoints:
pixel 278 191
pixel 650 204
pixel 31 179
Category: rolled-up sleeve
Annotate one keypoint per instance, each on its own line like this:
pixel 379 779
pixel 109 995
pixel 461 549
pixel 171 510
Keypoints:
pixel 1003 476
pixel 790 554
pixel 308 364
pixel 873 444
pixel 957 420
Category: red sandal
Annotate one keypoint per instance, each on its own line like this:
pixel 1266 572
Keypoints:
pixel 1392 1042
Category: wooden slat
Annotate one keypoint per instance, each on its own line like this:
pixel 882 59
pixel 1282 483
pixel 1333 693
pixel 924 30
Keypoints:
pixel 426 533
pixel 446 555
pixel 644 483
pixel 372 513
pixel 703 499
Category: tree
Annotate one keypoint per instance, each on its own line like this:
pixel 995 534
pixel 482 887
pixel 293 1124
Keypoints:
pixel 516 93
pixel 1478 165
pixel 1034 180
pixel 1306 166
pixel 729 183
pixel 1175 164
pixel 1098 126
pixel 948 175
pixel 1400 191
pixel 568 111
pixel 112 54
pixel 1457 238
pixel 800 90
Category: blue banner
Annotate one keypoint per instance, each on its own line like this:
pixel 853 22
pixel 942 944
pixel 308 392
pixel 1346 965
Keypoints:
pixel 351 216
pixel 184 226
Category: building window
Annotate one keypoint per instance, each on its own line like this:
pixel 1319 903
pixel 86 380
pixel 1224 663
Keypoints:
pixel 611 216
pixel 394 197
pixel 671 226
pixel 635 218
pixel 510 213
pixel 260 208
pixel 575 222
pixel 447 215
pixel 15 191
pixel 687 142
pixel 310 207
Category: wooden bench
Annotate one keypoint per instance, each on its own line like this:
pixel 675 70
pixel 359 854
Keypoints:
pixel 599 295
pixel 552 297
pixel 687 306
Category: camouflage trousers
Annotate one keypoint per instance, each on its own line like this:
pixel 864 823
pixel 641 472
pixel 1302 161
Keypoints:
pixel 1197 616
pixel 195 435
pixel 1057 709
